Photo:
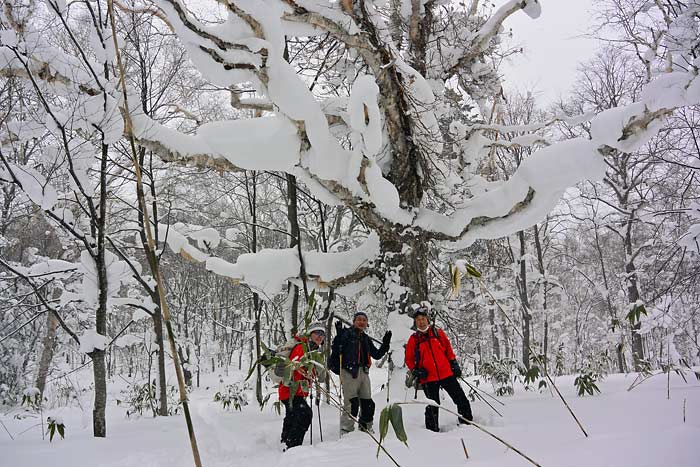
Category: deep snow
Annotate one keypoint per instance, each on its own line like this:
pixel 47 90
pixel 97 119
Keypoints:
pixel 639 428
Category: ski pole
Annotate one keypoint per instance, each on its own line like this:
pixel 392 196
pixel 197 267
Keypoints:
pixel 388 377
pixel 318 411
pixel 340 411
pixel 311 424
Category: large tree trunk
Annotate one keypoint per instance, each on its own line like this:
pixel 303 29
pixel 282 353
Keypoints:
pixel 495 343
pixel 633 292
pixel 540 262
pixel 524 301
pixel 162 383
pixel 99 422
pixel 292 217
pixel 633 297
pixel 411 269
pixel 47 352
pixel 99 372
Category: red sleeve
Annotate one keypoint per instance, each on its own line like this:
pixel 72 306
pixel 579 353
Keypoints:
pixel 297 352
pixel 410 358
pixel 449 353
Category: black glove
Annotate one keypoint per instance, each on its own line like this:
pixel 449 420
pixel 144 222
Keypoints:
pixel 386 339
pixel 420 373
pixel 338 327
pixel 456 370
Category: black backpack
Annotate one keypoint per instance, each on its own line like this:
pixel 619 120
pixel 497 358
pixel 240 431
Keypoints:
pixel 334 358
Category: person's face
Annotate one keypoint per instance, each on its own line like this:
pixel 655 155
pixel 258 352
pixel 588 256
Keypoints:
pixel 317 337
pixel 421 322
pixel 360 323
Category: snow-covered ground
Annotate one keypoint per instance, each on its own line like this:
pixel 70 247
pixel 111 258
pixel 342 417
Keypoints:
pixel 638 428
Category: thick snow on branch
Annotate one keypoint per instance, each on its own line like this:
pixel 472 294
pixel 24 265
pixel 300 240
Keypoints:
pixel 118 273
pixel 331 266
pixel 541 180
pixel 266 143
pixel 90 341
pixel 691 239
pixel 33 184
pixel 547 173
pixel 269 270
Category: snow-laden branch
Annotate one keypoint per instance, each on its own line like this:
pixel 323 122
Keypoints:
pixel 269 270
pixel 266 143
pixel 481 39
pixel 541 180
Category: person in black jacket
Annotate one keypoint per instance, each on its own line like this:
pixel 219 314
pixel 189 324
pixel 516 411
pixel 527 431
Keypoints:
pixel 352 352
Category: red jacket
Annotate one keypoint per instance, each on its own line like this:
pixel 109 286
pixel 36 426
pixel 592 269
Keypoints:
pixel 296 354
pixel 434 354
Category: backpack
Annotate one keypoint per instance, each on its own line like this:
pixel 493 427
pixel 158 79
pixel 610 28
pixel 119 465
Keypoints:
pixel 334 362
pixel 336 350
pixel 275 370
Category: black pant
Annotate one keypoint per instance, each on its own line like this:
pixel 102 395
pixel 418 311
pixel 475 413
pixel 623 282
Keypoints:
pixel 456 393
pixel 297 418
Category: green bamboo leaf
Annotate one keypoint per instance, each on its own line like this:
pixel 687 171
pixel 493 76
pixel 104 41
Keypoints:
pixel 397 423
pixel 288 374
pixel 61 432
pixel 252 369
pixel 472 271
pixel 52 430
pixel 383 426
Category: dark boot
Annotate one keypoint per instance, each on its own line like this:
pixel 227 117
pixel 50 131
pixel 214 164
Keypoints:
pixel 366 414
pixel 286 423
pixel 432 392
pixel 300 419
pixel 456 393
pixel 355 406
pixel 431 418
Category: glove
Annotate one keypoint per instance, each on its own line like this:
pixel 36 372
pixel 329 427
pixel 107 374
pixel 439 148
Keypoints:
pixel 420 373
pixel 338 327
pixel 456 370
pixel 386 339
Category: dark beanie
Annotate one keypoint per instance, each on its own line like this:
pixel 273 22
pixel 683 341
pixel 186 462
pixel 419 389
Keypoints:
pixel 359 313
pixel 420 311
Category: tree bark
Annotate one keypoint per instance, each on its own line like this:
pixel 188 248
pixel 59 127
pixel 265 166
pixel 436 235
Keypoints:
pixel 49 345
pixel 99 372
pixel 162 383
pixel 292 217
pixel 495 343
pixel 524 302
pixel 540 262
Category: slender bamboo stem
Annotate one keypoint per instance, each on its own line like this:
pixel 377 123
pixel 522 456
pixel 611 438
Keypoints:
pixel 151 247
pixel 340 406
pixel 466 454
pixel 483 400
pixel 478 427
pixel 13 438
pixel 544 369
pixel 476 388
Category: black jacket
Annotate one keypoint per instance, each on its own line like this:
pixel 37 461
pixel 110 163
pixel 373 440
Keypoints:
pixel 356 348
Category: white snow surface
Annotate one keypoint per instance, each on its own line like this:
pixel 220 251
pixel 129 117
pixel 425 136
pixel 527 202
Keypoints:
pixel 640 428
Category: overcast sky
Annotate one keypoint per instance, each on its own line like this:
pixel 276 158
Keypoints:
pixel 553 44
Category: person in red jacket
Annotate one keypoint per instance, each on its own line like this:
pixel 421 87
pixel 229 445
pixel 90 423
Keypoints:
pixel 297 413
pixel 430 357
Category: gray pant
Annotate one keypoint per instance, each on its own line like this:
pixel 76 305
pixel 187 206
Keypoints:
pixel 359 389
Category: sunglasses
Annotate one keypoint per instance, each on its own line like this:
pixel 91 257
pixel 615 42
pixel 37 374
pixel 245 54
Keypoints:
pixel 319 333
